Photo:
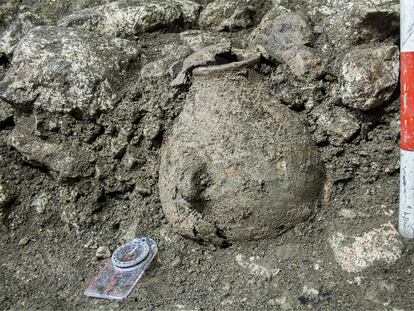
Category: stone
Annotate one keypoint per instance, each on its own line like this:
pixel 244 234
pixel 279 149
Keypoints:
pixel 63 70
pixel 228 15
pixel 68 161
pixel 348 23
pixel 24 241
pixel 369 76
pixel 103 252
pixel 283 36
pixel 171 54
pixel 16 30
pixel 266 271
pixel 40 202
pixel 6 114
pixel 197 39
pixel 130 17
pixel 356 253
pixel 6 194
pixel 237 165
pixel 339 124
pixel 203 57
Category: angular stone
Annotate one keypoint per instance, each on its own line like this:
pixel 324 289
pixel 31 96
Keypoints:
pixel 369 76
pixel 337 122
pixel 228 15
pixel 283 35
pixel 63 70
pixel 348 23
pixel 129 17
pixel 197 39
pixel 356 253
pixel 103 252
pixel 16 30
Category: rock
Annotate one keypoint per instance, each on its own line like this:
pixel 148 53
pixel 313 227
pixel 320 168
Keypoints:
pixel 369 76
pixel 103 252
pixel 68 161
pixel 197 39
pixel 251 265
pixel 63 70
pixel 228 15
pixel 24 241
pixel 356 253
pixel 40 202
pixel 16 30
pixel 6 114
pixel 237 165
pixel 129 17
pixel 161 67
pixel 282 36
pixel 6 194
pixel 310 291
pixel 337 122
pixel 203 57
pixel 350 23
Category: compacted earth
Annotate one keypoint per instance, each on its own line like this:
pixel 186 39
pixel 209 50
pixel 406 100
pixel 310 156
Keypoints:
pixel 256 141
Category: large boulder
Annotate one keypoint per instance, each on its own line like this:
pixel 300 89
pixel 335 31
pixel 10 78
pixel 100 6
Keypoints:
pixel 369 76
pixel 129 17
pixel 64 70
pixel 237 164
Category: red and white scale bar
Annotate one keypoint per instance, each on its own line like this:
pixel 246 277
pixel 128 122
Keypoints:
pixel 406 214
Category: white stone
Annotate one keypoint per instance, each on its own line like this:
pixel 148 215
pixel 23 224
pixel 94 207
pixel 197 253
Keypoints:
pixel 355 254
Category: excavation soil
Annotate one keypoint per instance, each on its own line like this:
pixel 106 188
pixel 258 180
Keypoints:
pixel 52 228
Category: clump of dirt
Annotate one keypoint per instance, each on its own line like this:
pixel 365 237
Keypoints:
pixel 81 133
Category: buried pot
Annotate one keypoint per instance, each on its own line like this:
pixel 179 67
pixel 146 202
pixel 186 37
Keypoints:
pixel 237 164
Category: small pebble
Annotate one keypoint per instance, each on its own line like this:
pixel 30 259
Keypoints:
pixel 24 241
pixel 103 252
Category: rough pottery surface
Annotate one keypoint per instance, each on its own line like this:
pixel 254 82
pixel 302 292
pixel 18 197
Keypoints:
pixel 238 165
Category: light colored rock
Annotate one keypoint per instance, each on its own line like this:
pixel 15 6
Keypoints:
pixel 347 23
pixel 103 252
pixel 337 122
pixel 63 70
pixel 129 17
pixel 228 15
pixel 40 202
pixel 355 254
pixel 16 30
pixel 237 164
pixel 251 265
pixel 369 76
pixel 24 241
pixel 197 39
pixel 5 194
pixel 282 36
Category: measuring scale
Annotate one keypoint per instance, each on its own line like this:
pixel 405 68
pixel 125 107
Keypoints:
pixel 123 271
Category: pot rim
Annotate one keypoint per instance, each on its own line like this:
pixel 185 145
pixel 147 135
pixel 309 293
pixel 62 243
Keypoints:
pixel 246 61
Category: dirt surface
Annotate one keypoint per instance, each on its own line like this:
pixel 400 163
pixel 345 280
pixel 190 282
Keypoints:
pixel 71 182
